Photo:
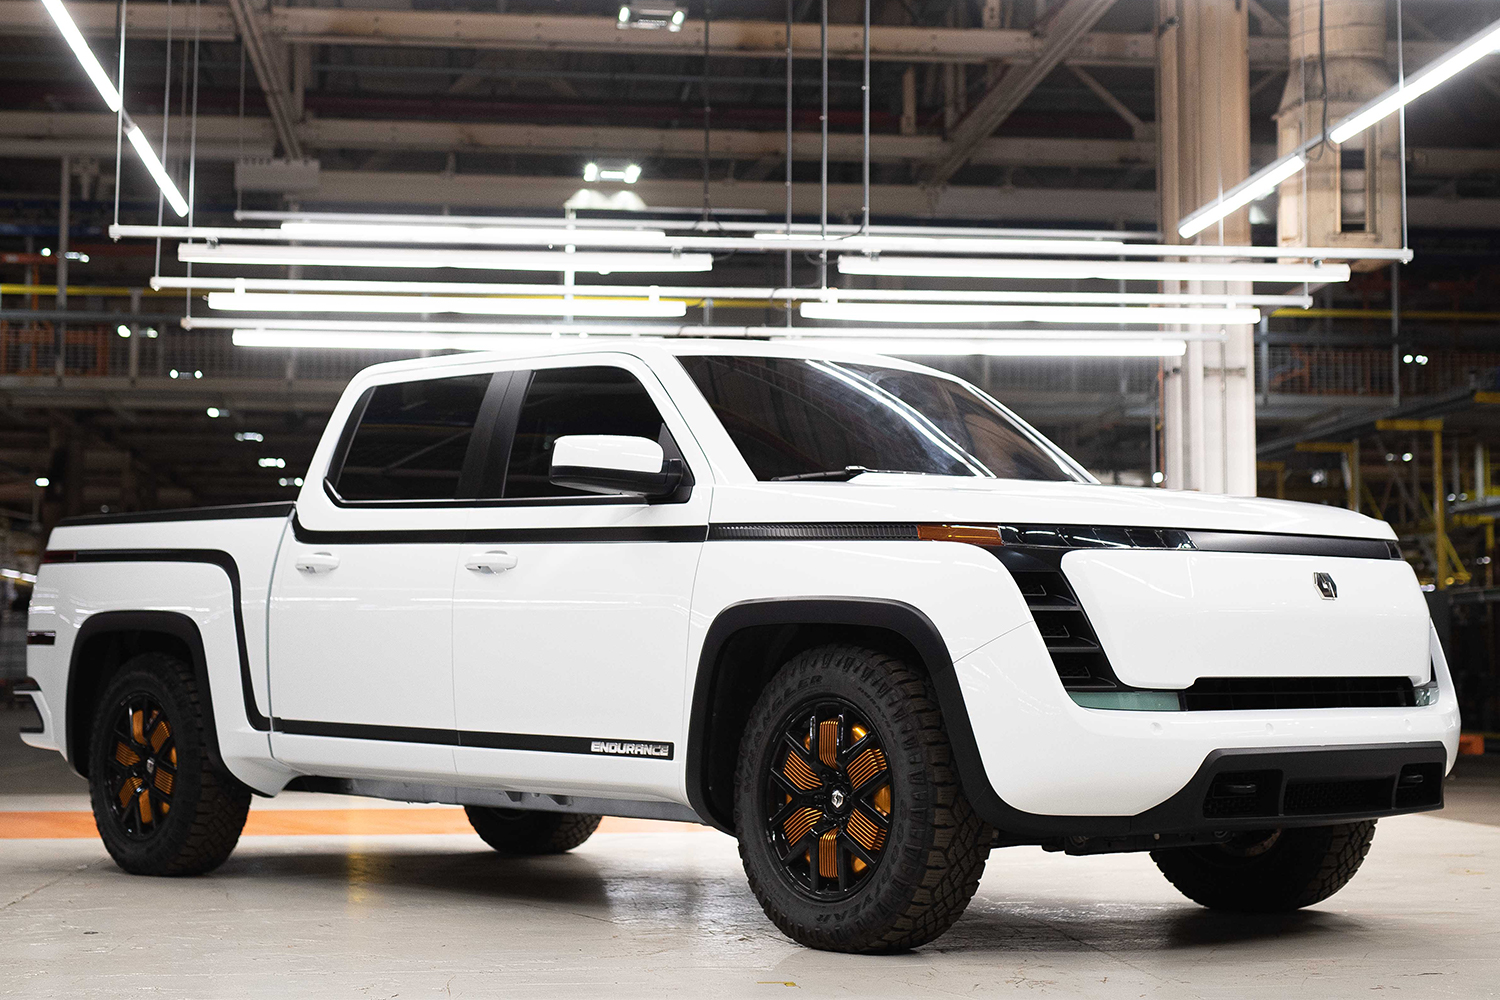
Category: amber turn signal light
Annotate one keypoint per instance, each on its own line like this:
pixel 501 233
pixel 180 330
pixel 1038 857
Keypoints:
pixel 970 534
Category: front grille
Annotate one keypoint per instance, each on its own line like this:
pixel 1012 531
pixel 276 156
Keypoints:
pixel 1328 798
pixel 1228 694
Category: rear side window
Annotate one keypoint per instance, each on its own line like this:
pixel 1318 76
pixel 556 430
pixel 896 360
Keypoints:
pixel 412 440
pixel 563 401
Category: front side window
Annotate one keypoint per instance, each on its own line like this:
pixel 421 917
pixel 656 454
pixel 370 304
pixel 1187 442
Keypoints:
pixel 806 418
pixel 564 401
pixel 412 440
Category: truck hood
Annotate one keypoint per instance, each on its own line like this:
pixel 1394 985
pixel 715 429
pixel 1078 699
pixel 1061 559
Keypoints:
pixel 903 498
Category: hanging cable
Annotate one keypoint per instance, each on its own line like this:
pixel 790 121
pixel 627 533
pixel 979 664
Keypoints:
pixel 192 193
pixel 865 227
pixel 120 112
pixel 823 176
pixel 788 274
pixel 707 109
pixel 166 117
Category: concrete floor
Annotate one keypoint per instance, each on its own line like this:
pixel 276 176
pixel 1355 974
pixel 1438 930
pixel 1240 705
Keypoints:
pixel 654 914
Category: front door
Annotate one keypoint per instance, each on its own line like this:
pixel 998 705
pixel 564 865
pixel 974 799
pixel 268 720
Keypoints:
pixel 570 631
pixel 361 606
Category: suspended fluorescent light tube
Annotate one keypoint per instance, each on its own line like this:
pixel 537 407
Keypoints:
pixel 1257 185
pixel 1127 270
pixel 947 244
pixel 85 55
pixel 430 341
pixel 153 166
pixel 1446 66
pixel 719 292
pixel 896 312
pixel 396 257
pixel 413 304
pixel 1019 348
pixel 331 232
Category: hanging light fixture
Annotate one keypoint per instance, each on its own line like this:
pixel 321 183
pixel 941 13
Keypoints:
pixel 1062 270
pixel 397 257
pixel 904 312
pixel 413 304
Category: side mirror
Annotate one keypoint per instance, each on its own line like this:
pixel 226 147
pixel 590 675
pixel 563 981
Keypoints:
pixel 614 463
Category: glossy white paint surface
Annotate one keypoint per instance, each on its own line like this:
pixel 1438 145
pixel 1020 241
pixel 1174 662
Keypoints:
pixel 581 639
pixel 1166 619
pixel 1044 754
pixel 67 594
pixel 607 451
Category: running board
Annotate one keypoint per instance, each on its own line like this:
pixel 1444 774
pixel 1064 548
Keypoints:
pixel 415 791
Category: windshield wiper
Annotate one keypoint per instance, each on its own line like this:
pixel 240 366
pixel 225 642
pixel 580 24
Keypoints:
pixel 843 475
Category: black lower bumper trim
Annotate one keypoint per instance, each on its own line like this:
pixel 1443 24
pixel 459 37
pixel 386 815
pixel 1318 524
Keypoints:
pixel 1249 789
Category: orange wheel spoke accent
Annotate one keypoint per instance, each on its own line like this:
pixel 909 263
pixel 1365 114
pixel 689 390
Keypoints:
pixel 799 774
pixel 866 766
pixel 828 855
pixel 800 823
pixel 865 832
pixel 138 727
pixel 126 756
pixel 159 736
pixel 883 800
pixel 128 790
pixel 828 742
pixel 145 806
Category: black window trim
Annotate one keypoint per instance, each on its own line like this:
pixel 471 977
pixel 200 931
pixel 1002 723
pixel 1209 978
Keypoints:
pixel 479 443
pixel 488 456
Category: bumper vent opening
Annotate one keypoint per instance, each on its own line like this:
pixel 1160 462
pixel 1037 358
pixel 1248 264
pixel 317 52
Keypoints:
pixel 1419 785
pixel 1327 798
pixel 1236 794
pixel 1227 694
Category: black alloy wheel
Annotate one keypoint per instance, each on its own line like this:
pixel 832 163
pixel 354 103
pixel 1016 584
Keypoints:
pixel 828 799
pixel 142 767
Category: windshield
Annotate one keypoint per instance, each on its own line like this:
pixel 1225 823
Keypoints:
pixel 798 417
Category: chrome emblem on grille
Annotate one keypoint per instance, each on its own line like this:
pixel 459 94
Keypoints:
pixel 1326 586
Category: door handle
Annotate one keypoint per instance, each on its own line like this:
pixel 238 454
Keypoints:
pixel 316 562
pixel 490 562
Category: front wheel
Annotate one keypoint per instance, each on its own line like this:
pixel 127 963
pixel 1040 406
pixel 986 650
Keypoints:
pixel 1269 871
pixel 161 806
pixel 853 830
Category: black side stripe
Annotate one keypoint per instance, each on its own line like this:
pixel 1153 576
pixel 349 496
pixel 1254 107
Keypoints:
pixel 280 508
pixel 1070 537
pixel 213 557
pixel 502 536
pixel 41 638
pixel 651 749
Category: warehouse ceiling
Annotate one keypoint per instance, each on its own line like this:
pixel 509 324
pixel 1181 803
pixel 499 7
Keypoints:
pixel 498 106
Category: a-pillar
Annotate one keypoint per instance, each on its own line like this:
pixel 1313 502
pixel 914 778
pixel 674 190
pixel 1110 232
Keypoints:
pixel 1203 116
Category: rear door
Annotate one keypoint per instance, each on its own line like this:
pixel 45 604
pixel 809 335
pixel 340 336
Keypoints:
pixel 361 610
pixel 569 666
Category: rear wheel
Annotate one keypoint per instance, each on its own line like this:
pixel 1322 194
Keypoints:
pixel 161 806
pixel 1269 871
pixel 527 831
pixel 853 830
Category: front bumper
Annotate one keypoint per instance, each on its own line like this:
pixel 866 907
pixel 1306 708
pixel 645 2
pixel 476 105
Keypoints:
pixel 1040 766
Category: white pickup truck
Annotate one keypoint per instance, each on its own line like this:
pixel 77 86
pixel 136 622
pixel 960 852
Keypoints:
pixel 849 609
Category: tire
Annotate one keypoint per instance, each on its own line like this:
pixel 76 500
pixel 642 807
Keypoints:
pixel 523 832
pixel 1273 871
pixel 161 806
pixel 931 847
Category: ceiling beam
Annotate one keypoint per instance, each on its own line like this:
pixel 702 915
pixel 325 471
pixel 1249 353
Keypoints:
pixel 572 33
pixel 48 135
pixel 267 56
pixel 35 132
pixel 1064 29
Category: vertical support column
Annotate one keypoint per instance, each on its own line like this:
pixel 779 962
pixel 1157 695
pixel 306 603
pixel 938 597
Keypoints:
pixel 1439 503
pixel 909 101
pixel 1203 127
